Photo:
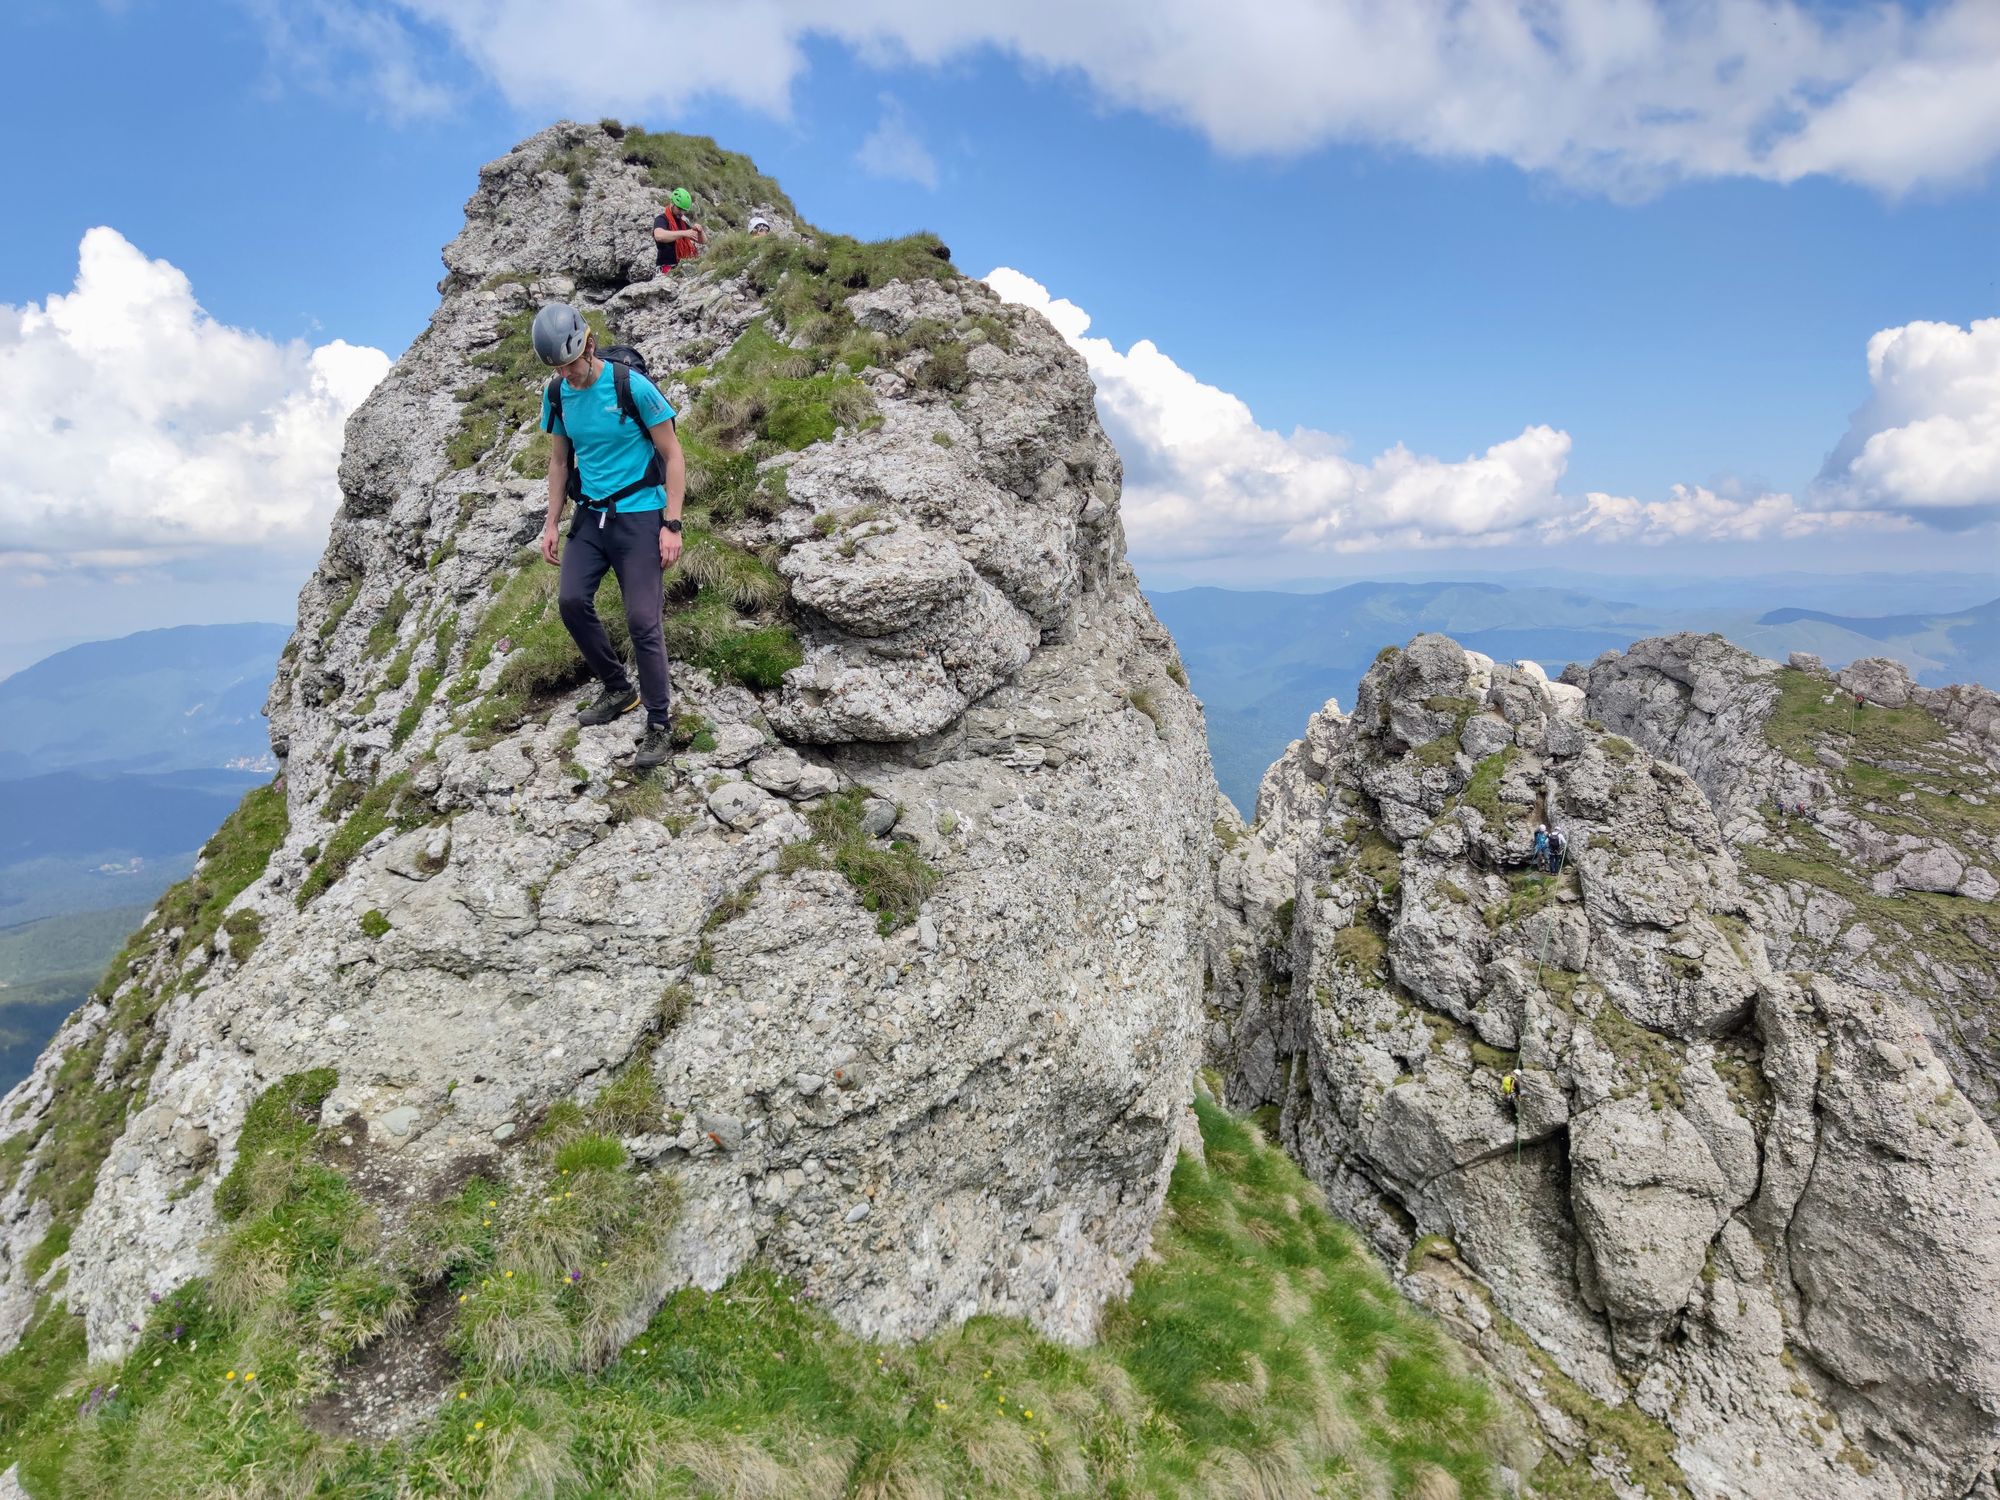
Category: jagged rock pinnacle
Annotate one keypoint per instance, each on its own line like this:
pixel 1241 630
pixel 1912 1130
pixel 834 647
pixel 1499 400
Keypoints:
pixel 891 975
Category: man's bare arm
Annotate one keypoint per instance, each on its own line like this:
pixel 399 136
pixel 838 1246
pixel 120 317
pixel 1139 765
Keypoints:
pixel 558 487
pixel 667 443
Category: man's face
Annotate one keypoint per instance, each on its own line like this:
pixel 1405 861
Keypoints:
pixel 577 371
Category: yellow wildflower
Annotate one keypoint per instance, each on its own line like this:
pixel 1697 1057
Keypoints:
pixel 230 1376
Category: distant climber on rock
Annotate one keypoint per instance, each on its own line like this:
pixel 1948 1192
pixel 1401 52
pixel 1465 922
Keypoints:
pixel 676 237
pixel 1541 846
pixel 759 226
pixel 1558 848
pixel 628 480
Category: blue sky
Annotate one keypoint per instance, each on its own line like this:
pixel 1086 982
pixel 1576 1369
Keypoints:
pixel 1680 317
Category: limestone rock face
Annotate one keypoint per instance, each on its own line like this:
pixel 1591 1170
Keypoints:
pixel 1750 1204
pixel 968 1102
pixel 1863 809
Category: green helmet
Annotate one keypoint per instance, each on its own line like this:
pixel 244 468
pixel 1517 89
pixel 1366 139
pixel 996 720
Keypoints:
pixel 682 199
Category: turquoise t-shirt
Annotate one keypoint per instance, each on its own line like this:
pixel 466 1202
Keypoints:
pixel 610 451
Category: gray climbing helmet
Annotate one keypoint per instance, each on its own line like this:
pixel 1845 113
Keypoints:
pixel 559 333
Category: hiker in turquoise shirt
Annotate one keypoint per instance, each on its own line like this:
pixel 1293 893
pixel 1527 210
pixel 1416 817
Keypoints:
pixel 610 455
pixel 630 477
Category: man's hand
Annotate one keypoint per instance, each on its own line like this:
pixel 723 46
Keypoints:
pixel 670 547
pixel 549 545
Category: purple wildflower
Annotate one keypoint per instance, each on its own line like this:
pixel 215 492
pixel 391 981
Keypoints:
pixel 575 1277
pixel 156 1298
pixel 179 1329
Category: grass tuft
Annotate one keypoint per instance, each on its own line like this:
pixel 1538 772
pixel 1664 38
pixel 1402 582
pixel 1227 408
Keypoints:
pixel 1482 792
pixel 389 803
pixel 893 879
pixel 382 634
pixel 276 1134
pixel 339 611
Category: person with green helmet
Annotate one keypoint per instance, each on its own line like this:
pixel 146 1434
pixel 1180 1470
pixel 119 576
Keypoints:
pixel 676 237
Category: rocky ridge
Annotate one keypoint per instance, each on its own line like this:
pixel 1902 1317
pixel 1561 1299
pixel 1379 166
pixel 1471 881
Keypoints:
pixel 1865 812
pixel 896 1031
pixel 1729 1229
pixel 892 987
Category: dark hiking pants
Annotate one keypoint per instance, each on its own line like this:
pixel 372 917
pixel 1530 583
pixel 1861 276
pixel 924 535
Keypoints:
pixel 628 544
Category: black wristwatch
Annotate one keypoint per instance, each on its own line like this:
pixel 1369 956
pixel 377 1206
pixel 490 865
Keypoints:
pixel 674 527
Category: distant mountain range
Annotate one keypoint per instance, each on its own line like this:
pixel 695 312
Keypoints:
pixel 1262 662
pixel 1955 646
pixel 118 759
pixel 189 698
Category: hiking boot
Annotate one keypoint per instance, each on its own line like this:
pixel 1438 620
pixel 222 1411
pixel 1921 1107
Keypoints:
pixel 609 705
pixel 656 748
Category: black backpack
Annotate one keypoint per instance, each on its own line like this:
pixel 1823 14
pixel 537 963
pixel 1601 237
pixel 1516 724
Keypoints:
pixel 623 360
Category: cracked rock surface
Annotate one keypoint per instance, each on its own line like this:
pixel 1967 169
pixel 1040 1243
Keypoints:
pixel 972 1106
pixel 1866 815
pixel 1615 1144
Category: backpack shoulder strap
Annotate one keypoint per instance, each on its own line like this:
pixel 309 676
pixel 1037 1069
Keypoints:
pixel 555 398
pixel 628 404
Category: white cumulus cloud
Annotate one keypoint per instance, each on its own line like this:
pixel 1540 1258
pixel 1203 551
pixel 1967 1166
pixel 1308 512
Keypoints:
pixel 1204 479
pixel 1625 95
pixel 1697 513
pixel 893 150
pixel 1927 441
pixel 138 429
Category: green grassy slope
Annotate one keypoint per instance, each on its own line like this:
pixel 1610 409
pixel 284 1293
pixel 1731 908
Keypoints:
pixel 1261 1352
